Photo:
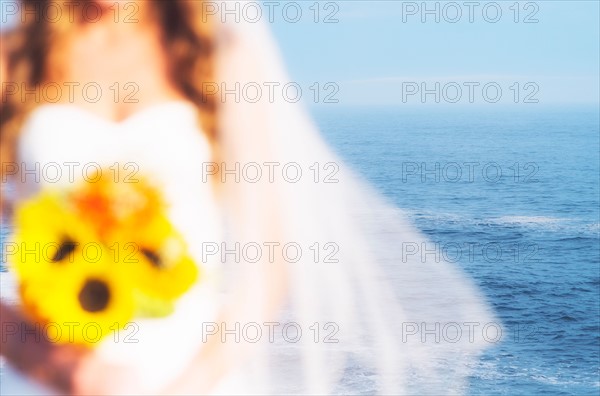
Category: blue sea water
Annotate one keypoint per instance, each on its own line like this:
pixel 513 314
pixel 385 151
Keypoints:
pixel 513 196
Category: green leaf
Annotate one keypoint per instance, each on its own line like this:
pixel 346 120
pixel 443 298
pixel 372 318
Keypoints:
pixel 151 307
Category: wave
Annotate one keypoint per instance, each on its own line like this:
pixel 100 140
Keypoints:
pixel 539 223
pixel 529 220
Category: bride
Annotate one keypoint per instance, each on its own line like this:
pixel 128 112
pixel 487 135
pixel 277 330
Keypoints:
pixel 346 310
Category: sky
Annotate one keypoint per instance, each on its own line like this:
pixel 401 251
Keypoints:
pixel 376 46
pixel 462 52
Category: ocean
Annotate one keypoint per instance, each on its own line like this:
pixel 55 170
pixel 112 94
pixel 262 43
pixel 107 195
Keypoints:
pixel 511 195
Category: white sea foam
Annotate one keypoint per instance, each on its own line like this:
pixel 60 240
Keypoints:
pixel 529 220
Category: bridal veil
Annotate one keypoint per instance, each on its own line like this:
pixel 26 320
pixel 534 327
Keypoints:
pixel 399 322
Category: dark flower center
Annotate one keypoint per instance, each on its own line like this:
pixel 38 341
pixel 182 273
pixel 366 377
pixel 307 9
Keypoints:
pixel 153 257
pixel 94 296
pixel 66 247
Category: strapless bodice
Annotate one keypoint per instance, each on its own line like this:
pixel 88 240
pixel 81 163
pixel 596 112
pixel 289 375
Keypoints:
pixel 63 144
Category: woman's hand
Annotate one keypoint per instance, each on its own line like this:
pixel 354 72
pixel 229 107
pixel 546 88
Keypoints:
pixel 28 350
pixel 94 377
pixel 66 368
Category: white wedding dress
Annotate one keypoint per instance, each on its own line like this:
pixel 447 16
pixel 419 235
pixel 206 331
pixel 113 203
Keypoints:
pixel 163 142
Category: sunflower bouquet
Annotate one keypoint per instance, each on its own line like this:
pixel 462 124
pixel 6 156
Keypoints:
pixel 98 255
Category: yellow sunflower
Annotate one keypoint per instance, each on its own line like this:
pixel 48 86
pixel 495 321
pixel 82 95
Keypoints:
pixel 161 267
pixel 48 235
pixel 86 301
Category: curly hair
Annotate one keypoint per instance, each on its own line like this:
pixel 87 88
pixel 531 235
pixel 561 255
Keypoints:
pixel 33 49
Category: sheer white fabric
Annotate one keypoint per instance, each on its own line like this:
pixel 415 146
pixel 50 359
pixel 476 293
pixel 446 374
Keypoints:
pixel 373 293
